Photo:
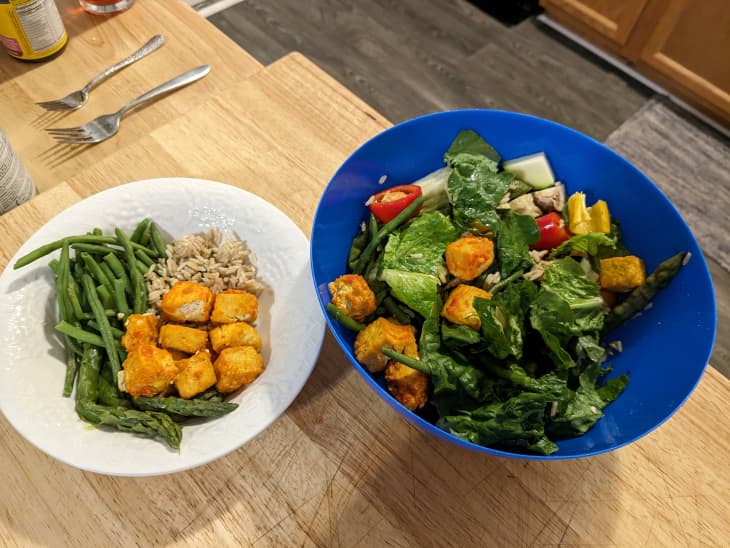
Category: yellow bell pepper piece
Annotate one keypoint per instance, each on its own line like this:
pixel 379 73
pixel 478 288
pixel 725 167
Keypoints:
pixel 582 219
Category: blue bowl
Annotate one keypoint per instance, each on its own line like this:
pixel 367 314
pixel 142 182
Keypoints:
pixel 665 349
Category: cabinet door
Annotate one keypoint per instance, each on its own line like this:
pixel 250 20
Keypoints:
pixel 690 46
pixel 612 19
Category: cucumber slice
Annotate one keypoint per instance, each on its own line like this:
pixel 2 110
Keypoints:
pixel 534 169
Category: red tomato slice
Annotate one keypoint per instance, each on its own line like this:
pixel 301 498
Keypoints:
pixel 386 205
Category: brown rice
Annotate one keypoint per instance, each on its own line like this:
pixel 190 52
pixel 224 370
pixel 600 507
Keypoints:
pixel 208 259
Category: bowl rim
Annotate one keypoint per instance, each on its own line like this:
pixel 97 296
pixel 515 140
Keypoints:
pixel 431 428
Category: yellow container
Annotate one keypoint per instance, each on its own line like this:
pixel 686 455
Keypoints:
pixel 32 30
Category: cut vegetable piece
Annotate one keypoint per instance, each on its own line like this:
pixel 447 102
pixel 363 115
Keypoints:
pixel 534 169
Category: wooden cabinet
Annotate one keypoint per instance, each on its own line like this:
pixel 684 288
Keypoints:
pixel 682 45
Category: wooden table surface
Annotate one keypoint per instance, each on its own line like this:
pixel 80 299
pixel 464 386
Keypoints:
pixel 339 468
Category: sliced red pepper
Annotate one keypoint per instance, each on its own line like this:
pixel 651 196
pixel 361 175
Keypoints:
pixel 552 231
pixel 386 205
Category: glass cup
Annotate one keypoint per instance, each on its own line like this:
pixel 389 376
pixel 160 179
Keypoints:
pixel 105 6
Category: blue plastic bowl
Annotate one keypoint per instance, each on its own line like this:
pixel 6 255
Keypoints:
pixel 665 349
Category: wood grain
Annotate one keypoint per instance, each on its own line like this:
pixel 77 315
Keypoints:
pixel 340 467
pixel 97 42
pixel 407 58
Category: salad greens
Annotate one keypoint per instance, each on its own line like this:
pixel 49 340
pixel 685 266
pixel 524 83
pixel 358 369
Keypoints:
pixel 532 370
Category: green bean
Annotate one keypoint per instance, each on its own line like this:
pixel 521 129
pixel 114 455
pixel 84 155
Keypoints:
pixel 72 366
pixel 87 389
pixel 413 363
pixel 145 239
pixel 58 244
pixel 79 333
pixel 139 301
pixel 115 331
pixel 144 258
pixel 93 267
pixel 140 229
pixel 96 249
pixel 120 298
pixel 344 319
pixel 119 271
pixel 396 311
pixel 106 298
pixel 104 328
pixel 158 241
pixel 53 265
pixel 74 301
pixel 97 231
pixel 186 408
pixel 107 271
pixel 386 229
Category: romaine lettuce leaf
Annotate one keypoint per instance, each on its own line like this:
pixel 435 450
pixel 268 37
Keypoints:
pixel 417 291
pixel 566 278
pixel 420 246
pixel 584 244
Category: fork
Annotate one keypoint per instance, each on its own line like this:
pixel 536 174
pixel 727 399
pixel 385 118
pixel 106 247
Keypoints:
pixel 77 99
pixel 107 125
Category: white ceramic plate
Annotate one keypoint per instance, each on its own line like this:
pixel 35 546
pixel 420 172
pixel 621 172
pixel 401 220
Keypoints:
pixel 31 353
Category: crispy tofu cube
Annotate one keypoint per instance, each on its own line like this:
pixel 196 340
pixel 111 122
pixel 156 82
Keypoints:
pixel 469 256
pixel 383 333
pixel 235 305
pixel 140 329
pixel 352 294
pixel 187 302
pixel 196 375
pixel 148 371
pixel 459 307
pixel 621 274
pixel 178 355
pixel 408 386
pixel 236 367
pixel 235 334
pixel 184 339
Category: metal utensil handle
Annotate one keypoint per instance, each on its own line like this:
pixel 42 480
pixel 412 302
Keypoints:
pixel 152 45
pixel 179 81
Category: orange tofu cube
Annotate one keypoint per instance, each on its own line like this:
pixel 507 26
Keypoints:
pixel 353 296
pixel 383 333
pixel 469 256
pixel 621 274
pixel 236 367
pixel 196 375
pixel 407 385
pixel 459 307
pixel 140 329
pixel 188 302
pixel 235 334
pixel 148 371
pixel 184 339
pixel 235 305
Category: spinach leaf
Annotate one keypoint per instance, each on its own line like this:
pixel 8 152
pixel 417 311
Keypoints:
pixel 475 191
pixel 420 246
pixel 517 423
pixel 552 317
pixel 458 335
pixel 470 143
pixel 417 291
pixel 515 234
pixel 566 278
pixel 456 385
pixel 503 318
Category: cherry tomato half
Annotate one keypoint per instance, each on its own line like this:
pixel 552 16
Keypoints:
pixel 386 205
pixel 552 231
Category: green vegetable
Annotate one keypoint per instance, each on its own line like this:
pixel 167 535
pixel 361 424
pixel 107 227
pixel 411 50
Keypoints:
pixel 417 291
pixel 642 295
pixel 140 230
pixel 467 146
pixel 516 233
pixel 110 345
pixel 58 244
pixel 584 244
pixel 158 241
pixel 185 408
pixel 87 388
pixel 420 246
pixel 344 319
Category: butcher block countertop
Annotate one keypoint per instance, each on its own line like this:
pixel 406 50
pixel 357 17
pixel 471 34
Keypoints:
pixel 339 467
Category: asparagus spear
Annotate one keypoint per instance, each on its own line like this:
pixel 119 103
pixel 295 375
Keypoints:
pixel 130 420
pixel 642 295
pixel 186 408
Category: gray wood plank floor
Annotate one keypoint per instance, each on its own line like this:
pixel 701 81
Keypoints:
pixel 411 57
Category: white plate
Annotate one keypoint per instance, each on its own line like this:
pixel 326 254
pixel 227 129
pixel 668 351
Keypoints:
pixel 31 354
